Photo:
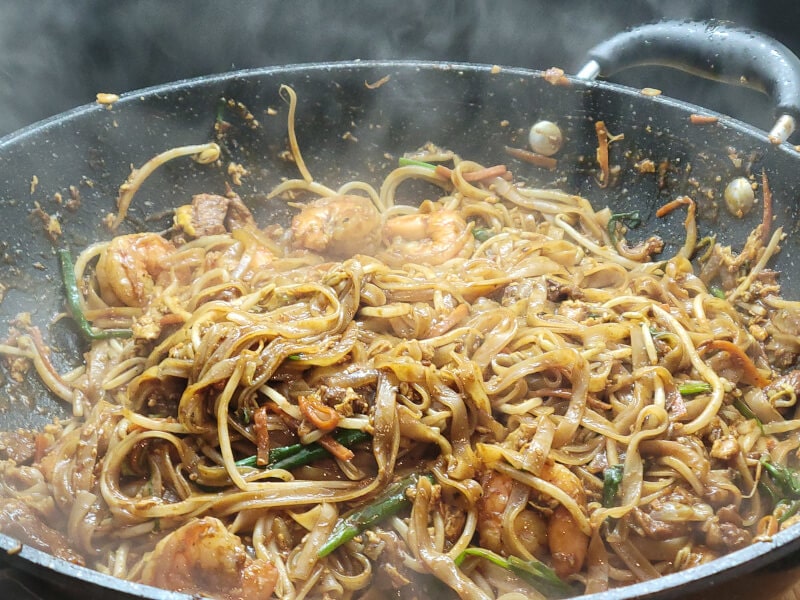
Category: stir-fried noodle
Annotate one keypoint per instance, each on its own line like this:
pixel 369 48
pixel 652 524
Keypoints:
pixel 489 393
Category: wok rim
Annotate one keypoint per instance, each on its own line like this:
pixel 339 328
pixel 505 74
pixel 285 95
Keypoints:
pixel 429 65
pixel 725 568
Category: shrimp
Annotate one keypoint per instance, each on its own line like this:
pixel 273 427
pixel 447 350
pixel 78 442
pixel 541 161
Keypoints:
pixel 428 238
pixel 567 542
pixel 529 527
pixel 128 267
pixel 338 226
pixel 203 558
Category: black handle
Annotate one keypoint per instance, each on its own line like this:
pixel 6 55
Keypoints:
pixel 713 50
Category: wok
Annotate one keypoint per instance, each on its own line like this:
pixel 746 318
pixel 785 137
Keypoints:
pixel 348 129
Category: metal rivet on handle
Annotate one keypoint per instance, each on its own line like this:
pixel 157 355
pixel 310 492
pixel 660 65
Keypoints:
pixel 589 71
pixel 783 128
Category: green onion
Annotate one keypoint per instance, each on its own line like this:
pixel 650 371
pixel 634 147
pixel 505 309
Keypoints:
pixel 389 503
pixel 791 509
pixel 612 479
pixel 298 455
pixel 74 303
pixel 717 292
pixel 482 233
pixel 747 412
pixel 221 110
pixel 245 415
pixel 629 219
pixel 765 485
pixel 709 241
pixel 692 388
pixel 534 572
pixel 410 162
pixel 786 478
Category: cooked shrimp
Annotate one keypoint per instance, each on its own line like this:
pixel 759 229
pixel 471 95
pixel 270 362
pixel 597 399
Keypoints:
pixel 203 558
pixel 338 226
pixel 428 238
pixel 567 542
pixel 529 527
pixel 128 267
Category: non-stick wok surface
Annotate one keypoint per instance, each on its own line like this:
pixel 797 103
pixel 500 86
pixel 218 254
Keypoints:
pixel 350 128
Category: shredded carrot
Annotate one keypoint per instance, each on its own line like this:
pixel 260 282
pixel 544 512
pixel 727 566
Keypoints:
pixel 690 224
pixel 41 445
pixel 320 415
pixel 678 202
pixel 377 84
pixel 448 322
pixel 602 152
pixel 485 173
pixel 443 171
pixel 171 319
pixel 696 119
pixel 262 435
pixel 534 158
pixel 338 450
pixel 750 373
pixel 44 353
pixel 766 219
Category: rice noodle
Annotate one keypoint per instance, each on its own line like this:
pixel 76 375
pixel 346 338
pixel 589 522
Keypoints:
pixel 491 348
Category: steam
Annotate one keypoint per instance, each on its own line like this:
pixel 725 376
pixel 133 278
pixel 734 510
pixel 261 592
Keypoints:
pixel 55 55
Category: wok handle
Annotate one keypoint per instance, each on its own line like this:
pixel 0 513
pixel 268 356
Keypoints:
pixel 713 50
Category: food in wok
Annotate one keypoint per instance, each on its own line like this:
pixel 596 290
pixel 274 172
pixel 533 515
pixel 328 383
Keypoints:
pixel 489 393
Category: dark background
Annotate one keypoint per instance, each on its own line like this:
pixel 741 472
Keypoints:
pixel 57 54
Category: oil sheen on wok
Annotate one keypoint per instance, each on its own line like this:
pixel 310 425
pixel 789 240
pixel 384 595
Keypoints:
pixel 492 393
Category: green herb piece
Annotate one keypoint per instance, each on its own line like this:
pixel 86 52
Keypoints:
pixel 717 292
pixel 612 479
pixel 389 503
pixel 298 356
pixel 221 110
pixel 692 388
pixel 792 506
pixel 747 412
pixel 536 573
pixel 765 485
pixel 786 478
pixel 482 233
pixel 298 455
pixel 245 415
pixel 73 296
pixel 629 219
pixel 707 242
pixel 410 162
